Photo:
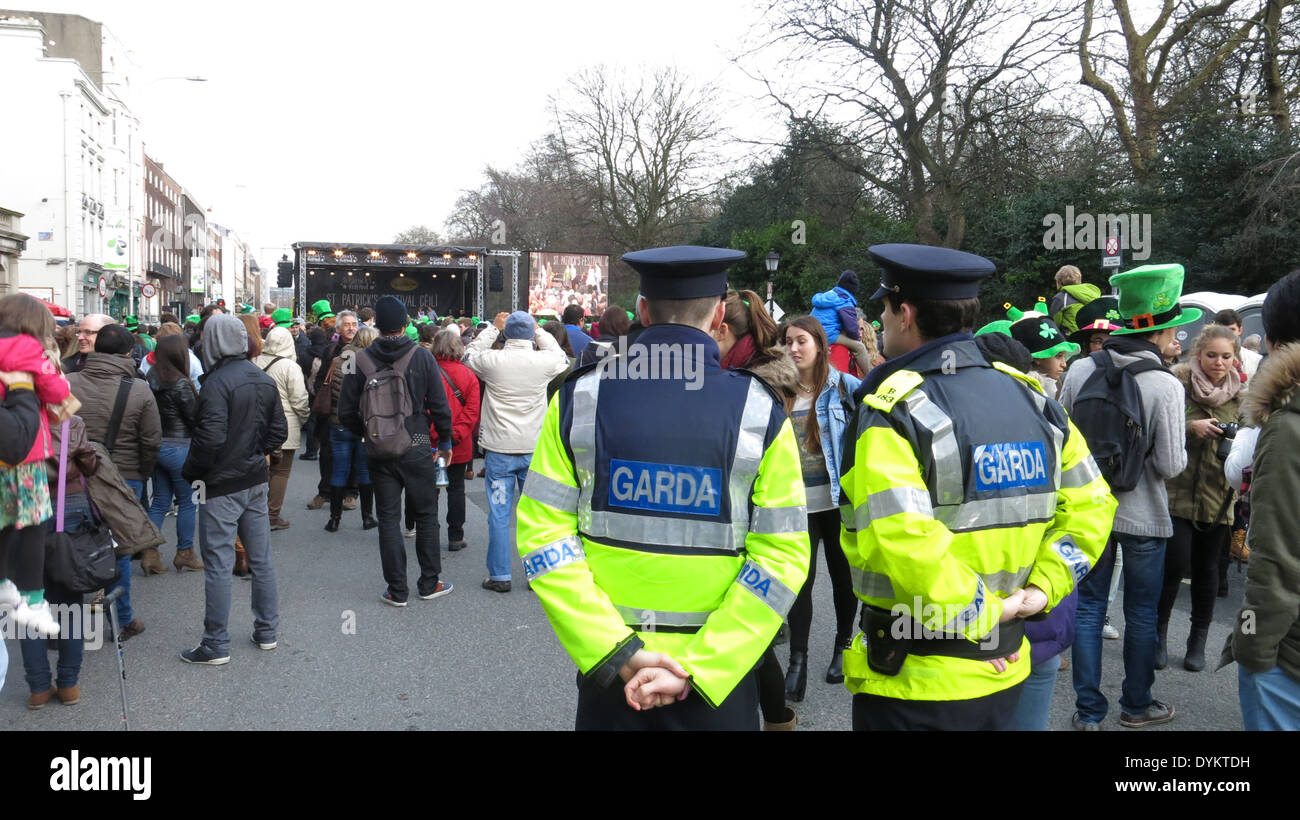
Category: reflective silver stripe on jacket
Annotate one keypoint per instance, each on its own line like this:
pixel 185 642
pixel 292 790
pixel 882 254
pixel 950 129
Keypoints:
pixel 656 529
pixel 766 587
pixel 871 584
pixel 847 517
pixel 1073 557
pixel 948 474
pixel 892 501
pixel 550 492
pixel 749 452
pixel 582 438
pixel 1058 435
pixel 1005 581
pixel 1012 511
pixel 552 556
pixel 1081 474
pixel 779 520
pixel 646 620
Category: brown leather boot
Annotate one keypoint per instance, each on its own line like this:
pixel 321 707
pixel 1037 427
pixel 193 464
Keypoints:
pixel 787 725
pixel 317 502
pixel 241 558
pixel 151 563
pixel 186 559
pixel 39 699
pixel 69 695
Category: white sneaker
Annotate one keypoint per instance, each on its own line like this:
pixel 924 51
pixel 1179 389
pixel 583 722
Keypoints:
pixel 1109 632
pixel 9 595
pixel 37 619
pixel 410 533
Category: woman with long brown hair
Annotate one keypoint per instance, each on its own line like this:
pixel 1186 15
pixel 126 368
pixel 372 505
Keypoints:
pixel 821 414
pixel 178 399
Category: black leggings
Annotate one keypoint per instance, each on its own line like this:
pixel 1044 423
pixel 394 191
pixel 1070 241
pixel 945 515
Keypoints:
pixel 22 557
pixel 824 527
pixel 1195 552
pixel 771 687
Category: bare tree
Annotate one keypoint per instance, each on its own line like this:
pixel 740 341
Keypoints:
pixel 418 235
pixel 1134 70
pixel 641 150
pixel 916 87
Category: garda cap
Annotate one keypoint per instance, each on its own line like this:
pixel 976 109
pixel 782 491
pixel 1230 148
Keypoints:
pixel 927 272
pixel 683 271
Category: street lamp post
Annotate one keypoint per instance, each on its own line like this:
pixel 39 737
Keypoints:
pixel 772 261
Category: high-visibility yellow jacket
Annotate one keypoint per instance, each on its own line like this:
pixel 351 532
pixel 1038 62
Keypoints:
pixel 964 484
pixel 667 513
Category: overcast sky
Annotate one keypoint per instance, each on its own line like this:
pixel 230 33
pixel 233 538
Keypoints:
pixel 329 121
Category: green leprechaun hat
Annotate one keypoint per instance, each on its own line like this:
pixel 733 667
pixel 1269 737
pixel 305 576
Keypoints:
pixel 1037 332
pixel 282 317
pixel 1101 315
pixel 1148 299
pixel 322 309
pixel 412 332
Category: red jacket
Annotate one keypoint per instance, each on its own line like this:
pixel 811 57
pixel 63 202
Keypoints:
pixel 18 351
pixel 464 414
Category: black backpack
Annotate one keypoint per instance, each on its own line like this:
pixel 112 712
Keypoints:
pixel 1108 412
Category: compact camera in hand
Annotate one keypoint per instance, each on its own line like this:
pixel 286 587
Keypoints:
pixel 1229 430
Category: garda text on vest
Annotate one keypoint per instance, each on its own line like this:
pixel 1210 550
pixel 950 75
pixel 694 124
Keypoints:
pixel 668 488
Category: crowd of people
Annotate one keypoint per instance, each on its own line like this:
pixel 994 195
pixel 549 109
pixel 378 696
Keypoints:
pixel 116 425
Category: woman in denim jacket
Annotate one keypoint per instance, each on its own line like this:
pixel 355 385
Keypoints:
pixel 822 411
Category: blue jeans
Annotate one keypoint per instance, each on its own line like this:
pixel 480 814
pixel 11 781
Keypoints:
pixel 1036 696
pixel 505 474
pixel 1144 574
pixel 348 451
pixel 125 614
pixel 168 484
pixel 1270 701
pixel 71 642
pixel 241 513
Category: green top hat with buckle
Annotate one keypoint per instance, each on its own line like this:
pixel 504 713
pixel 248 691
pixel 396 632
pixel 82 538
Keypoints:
pixel 1148 299
pixel 322 309
pixel 1037 332
pixel 282 317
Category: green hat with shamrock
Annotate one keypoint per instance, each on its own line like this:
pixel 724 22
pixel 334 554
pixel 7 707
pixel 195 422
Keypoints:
pixel 1148 299
pixel 322 309
pixel 1036 331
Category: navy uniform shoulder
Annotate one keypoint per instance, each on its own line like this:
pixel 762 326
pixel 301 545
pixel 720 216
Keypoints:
pixel 771 391
pixel 579 372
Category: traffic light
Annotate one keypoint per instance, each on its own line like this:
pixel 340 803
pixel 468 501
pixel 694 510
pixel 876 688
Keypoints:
pixel 284 273
pixel 221 303
pixel 496 278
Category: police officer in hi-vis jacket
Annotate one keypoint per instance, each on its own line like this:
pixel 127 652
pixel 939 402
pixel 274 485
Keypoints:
pixel 969 503
pixel 662 523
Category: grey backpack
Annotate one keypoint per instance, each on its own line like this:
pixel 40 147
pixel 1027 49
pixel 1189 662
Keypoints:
pixel 386 405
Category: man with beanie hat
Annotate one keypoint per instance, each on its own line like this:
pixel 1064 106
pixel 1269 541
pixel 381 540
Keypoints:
pixel 415 469
pixel 837 311
pixel 514 401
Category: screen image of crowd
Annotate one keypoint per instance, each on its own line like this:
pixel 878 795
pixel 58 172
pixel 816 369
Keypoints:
pixel 556 281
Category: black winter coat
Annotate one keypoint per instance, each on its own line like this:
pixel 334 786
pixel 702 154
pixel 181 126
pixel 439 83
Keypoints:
pixel 240 422
pixel 428 396
pixel 178 405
